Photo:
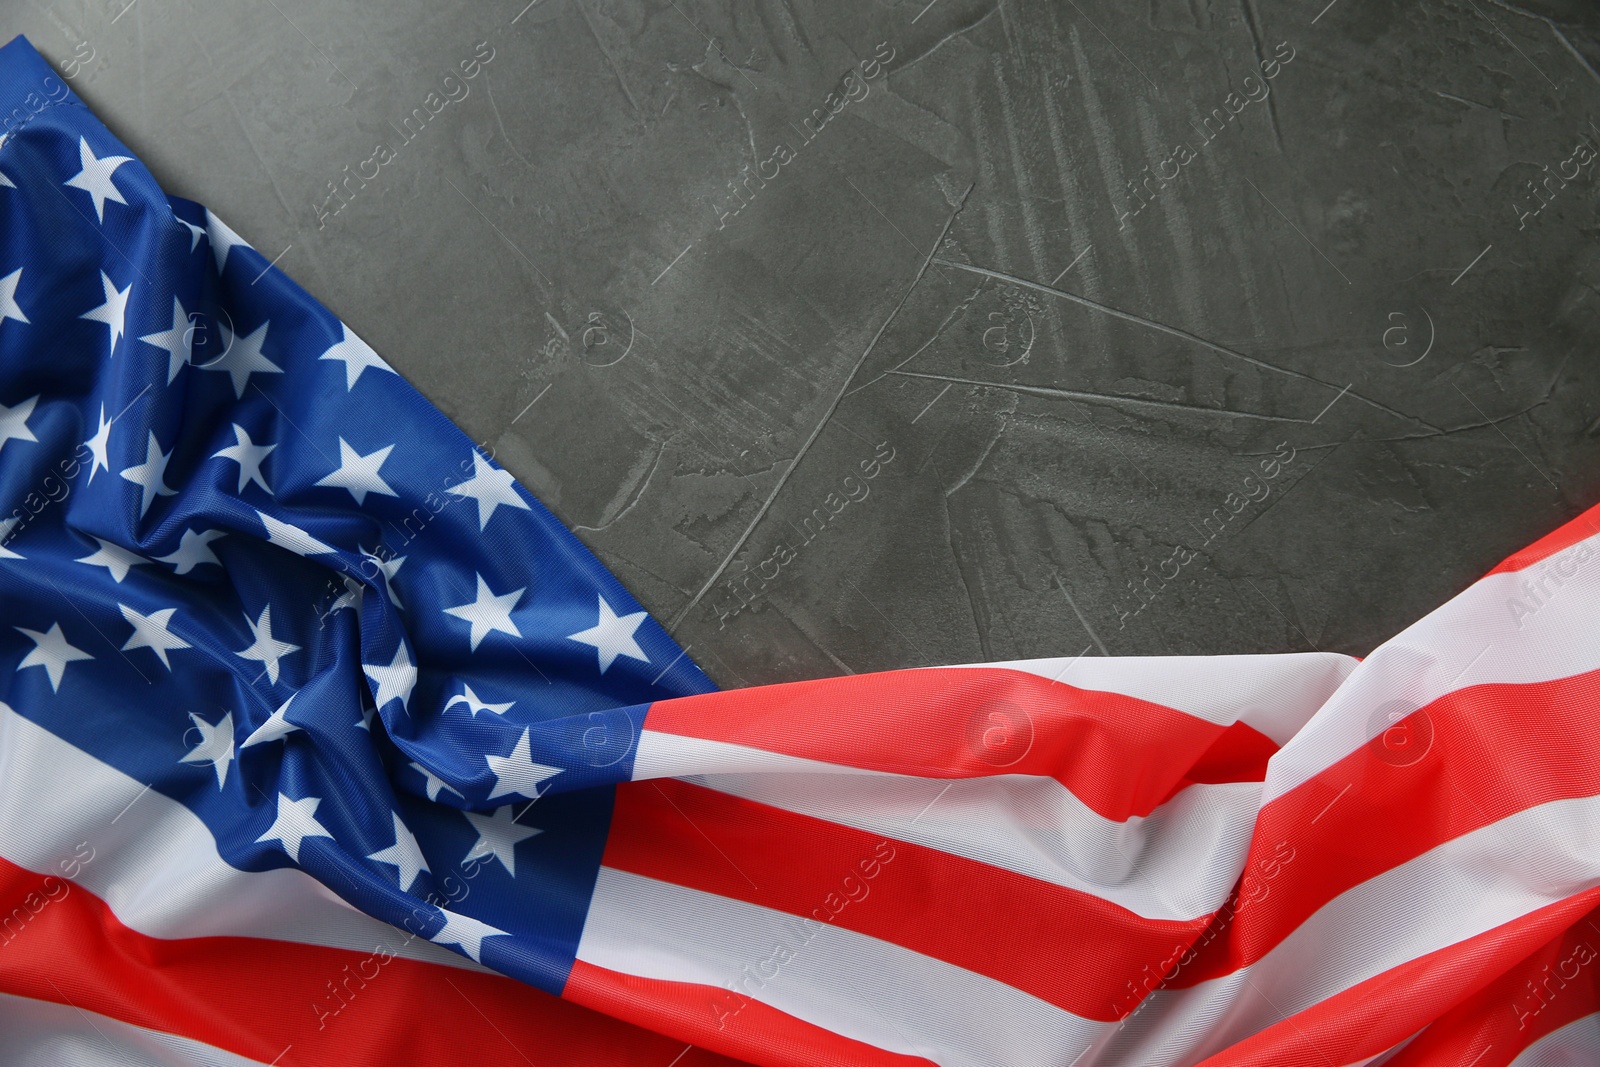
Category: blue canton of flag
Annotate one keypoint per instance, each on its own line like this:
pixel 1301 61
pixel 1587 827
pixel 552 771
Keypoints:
pixel 243 561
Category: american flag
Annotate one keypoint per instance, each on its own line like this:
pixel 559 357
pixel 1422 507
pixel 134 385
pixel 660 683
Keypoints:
pixel 322 741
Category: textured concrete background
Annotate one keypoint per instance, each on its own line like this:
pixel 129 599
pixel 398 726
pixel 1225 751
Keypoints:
pixel 856 334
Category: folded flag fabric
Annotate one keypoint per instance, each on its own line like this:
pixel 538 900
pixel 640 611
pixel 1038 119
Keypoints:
pixel 259 593
pixel 321 741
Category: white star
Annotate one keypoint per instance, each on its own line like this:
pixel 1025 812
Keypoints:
pixel 215 747
pixel 114 558
pixel 249 456
pixel 296 821
pixel 466 933
pixel 149 475
pixel 277 726
pixel 358 474
pixel 5 183
pixel 287 535
pixel 489 613
pixel 435 785
pixel 113 313
pixel 356 356
pixel 9 308
pixel 474 704
pixel 351 598
pixel 395 681
pixel 99 446
pixel 366 719
pixel 195 232
pixel 95 177
pixel 14 422
pixel 267 650
pixel 177 341
pixel 404 855
pixel 52 651
pixel 613 636
pixel 242 356
pixel 6 526
pixel 151 631
pixel 388 568
pixel 498 836
pixel 490 487
pixel 517 774
pixel 222 239
pixel 193 550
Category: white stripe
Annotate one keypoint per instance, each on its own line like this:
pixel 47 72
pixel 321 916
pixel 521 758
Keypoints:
pixel 1576 1044
pixel 1179 862
pixel 1273 694
pixel 1478 638
pixel 663 755
pixel 1464 887
pixel 154 862
pixel 37 1033
pixel 856 986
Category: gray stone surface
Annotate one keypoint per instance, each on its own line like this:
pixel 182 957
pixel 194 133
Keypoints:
pixel 913 369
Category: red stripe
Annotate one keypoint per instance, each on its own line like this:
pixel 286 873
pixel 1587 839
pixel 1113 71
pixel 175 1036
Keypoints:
pixel 1581 528
pixel 1240 754
pixel 1556 985
pixel 259 998
pixel 1120 755
pixel 1378 1014
pixel 1492 751
pixel 982 918
pixel 748 1028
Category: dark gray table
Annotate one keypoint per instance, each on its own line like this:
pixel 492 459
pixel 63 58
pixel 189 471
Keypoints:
pixel 857 334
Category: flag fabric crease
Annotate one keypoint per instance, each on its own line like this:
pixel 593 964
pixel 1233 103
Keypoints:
pixel 322 741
